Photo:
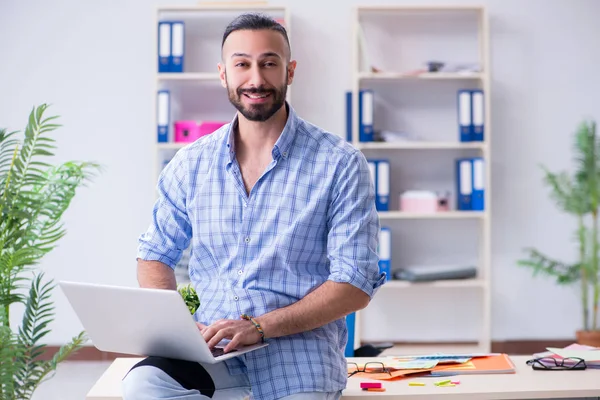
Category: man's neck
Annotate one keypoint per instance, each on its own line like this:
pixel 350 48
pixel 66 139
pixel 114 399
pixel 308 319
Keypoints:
pixel 258 138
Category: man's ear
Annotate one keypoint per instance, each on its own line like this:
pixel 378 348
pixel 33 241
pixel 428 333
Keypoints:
pixel 222 76
pixel 290 71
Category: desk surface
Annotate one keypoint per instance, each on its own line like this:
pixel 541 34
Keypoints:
pixel 526 383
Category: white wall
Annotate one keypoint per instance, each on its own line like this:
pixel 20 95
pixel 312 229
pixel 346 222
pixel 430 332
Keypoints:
pixel 95 63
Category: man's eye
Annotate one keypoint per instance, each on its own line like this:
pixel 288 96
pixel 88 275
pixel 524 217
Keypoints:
pixel 240 64
pixel 270 64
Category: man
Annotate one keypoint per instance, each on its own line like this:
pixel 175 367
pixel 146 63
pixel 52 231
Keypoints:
pixel 281 220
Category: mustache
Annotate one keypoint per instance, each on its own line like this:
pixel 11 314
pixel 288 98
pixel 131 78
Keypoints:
pixel 258 90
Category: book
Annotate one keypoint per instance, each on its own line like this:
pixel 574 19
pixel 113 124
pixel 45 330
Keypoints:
pixel 497 364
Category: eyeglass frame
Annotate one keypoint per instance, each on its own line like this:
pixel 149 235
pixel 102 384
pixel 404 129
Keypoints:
pixel 383 368
pixel 559 364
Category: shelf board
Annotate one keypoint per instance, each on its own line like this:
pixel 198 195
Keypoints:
pixel 189 76
pixel 449 283
pixel 435 215
pixel 416 145
pixel 411 349
pixel 424 76
pixel 171 146
pixel 215 6
pixel 419 8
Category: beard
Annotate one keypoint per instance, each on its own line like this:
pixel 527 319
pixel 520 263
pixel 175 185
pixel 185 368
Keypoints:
pixel 257 112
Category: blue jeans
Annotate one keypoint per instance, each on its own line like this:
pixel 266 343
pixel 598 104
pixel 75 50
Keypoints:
pixel 149 383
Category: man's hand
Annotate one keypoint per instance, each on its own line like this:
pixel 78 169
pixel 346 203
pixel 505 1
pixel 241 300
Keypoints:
pixel 240 332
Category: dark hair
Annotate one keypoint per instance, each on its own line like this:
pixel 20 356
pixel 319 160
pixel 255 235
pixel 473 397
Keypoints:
pixel 254 22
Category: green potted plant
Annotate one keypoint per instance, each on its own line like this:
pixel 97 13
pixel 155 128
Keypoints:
pixel 33 197
pixel 578 194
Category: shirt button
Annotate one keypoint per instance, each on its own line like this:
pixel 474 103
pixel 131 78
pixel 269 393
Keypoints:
pixel 285 153
pixel 240 272
pixel 247 240
pixel 245 204
pixel 236 298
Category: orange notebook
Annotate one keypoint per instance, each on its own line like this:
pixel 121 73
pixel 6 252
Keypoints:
pixel 500 364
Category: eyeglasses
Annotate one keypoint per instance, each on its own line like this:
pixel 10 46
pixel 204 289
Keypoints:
pixel 551 363
pixel 379 368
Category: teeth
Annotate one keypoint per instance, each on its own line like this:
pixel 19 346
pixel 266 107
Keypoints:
pixel 252 96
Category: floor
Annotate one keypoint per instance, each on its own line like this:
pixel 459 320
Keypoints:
pixel 76 376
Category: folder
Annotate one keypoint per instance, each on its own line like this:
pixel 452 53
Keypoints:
pixel 478 196
pixel 164 46
pixel 385 252
pixel 382 194
pixel 178 46
pixel 365 115
pixel 477 115
pixel 163 110
pixel 349 116
pixel 465 119
pixel 372 171
pixel 464 183
pixel 351 326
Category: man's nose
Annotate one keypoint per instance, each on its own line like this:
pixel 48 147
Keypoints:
pixel 256 77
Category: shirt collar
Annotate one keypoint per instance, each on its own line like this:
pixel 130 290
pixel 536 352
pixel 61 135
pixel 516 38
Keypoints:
pixel 283 143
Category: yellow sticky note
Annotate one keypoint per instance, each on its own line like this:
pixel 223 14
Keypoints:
pixel 416 384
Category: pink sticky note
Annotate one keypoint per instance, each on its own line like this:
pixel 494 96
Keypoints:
pixel 370 385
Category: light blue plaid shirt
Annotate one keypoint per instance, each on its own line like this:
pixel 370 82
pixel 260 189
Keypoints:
pixel 309 218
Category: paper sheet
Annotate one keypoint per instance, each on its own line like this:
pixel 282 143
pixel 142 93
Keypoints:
pixel 587 355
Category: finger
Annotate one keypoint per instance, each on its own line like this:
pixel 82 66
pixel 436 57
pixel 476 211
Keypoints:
pixel 233 344
pixel 208 332
pixel 220 335
pixel 201 326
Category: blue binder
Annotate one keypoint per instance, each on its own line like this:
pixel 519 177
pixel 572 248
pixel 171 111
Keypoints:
pixel 365 115
pixel 163 111
pixel 164 46
pixel 464 115
pixel 385 252
pixel 349 116
pixel 478 197
pixel 382 184
pixel 464 184
pixel 351 326
pixel 478 115
pixel 177 46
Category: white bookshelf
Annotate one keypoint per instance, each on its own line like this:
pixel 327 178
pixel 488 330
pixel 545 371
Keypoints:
pixel 375 25
pixel 196 93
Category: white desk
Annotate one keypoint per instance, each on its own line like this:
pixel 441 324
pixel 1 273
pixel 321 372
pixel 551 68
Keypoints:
pixel 525 384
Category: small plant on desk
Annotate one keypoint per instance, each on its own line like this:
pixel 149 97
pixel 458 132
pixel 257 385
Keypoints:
pixel 578 194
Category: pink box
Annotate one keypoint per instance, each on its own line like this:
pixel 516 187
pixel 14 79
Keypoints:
pixel 419 202
pixel 209 127
pixel 190 131
pixel 186 131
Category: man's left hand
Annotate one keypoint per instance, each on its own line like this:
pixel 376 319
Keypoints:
pixel 240 332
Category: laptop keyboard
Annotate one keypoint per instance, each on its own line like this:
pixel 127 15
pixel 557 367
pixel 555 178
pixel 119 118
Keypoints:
pixel 218 351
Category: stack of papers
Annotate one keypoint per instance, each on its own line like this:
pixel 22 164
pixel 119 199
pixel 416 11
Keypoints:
pixel 437 365
pixel 591 355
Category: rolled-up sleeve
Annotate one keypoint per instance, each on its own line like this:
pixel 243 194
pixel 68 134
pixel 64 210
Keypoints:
pixel 170 231
pixel 354 228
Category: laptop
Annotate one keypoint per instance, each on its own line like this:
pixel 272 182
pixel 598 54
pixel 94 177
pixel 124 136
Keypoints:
pixel 142 322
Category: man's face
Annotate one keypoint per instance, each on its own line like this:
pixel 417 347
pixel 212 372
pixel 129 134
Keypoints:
pixel 256 72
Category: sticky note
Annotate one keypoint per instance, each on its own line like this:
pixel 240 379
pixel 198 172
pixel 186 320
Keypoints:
pixel 455 382
pixel 442 383
pixel 376 389
pixel 368 385
pixel 416 384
